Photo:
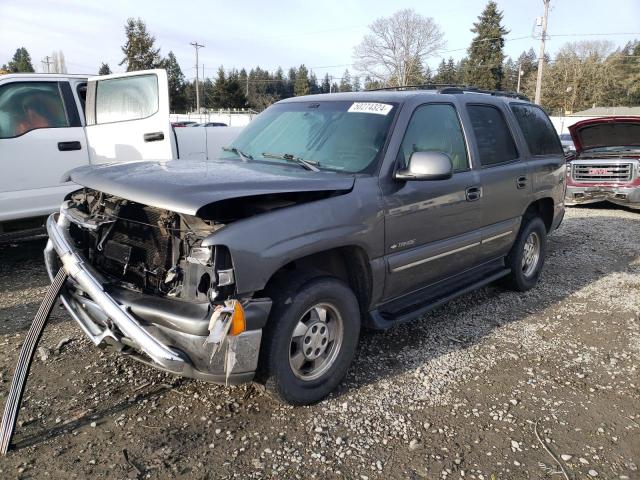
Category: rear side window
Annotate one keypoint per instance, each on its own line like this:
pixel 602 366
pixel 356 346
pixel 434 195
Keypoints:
pixel 435 128
pixel 126 98
pixel 26 106
pixel 538 130
pixel 495 143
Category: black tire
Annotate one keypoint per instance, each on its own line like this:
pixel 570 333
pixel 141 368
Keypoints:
pixel 520 280
pixel 292 298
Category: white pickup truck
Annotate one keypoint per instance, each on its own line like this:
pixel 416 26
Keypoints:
pixel 47 129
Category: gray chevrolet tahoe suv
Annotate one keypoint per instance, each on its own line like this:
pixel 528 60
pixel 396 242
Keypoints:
pixel 327 214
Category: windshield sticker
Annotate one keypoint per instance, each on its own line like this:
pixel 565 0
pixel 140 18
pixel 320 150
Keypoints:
pixel 369 107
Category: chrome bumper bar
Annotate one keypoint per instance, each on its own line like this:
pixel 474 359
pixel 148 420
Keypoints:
pixel 87 280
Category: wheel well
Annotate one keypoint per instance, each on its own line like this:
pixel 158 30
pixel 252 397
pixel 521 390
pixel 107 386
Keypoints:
pixel 350 264
pixel 542 208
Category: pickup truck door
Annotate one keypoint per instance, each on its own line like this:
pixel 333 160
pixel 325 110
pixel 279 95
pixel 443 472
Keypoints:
pixel 41 137
pixel 128 117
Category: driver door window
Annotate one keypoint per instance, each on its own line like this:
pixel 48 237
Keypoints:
pixel 435 128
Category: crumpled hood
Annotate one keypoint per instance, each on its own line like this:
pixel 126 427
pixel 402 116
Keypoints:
pixel 185 186
pixel 605 132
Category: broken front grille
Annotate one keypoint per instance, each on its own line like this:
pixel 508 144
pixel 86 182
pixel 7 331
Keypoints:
pixel 611 172
pixel 138 248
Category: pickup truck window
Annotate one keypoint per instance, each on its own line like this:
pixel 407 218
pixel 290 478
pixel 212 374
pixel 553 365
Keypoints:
pixel 126 98
pixel 26 106
pixel 339 136
pixel 436 128
pixel 495 143
pixel 537 129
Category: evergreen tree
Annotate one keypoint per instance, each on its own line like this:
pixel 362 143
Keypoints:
pixel 190 96
pixel 510 78
pixel 345 82
pixel 20 63
pixel 280 84
pixel 356 84
pixel 326 84
pixel 234 91
pixel 228 91
pixel 207 89
pixel 291 81
pixel 447 73
pixel 484 68
pixel 461 70
pixel 427 75
pixel 371 84
pixel 313 84
pixel 177 100
pixel 139 51
pixel 218 93
pixel 301 84
pixel 104 69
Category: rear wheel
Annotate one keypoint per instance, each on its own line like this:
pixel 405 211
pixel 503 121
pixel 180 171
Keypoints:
pixel 310 339
pixel 527 255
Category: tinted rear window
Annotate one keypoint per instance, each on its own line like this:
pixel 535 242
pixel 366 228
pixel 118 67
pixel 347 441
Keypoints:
pixel 538 130
pixel 494 139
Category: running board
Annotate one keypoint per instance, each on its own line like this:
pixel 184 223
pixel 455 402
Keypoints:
pixel 385 319
pixel 14 399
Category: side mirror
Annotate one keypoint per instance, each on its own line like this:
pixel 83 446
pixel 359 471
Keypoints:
pixel 427 166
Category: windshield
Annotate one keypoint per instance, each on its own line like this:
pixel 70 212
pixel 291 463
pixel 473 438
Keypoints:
pixel 339 136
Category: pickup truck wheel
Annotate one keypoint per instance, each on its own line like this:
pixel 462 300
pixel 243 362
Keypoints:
pixel 527 255
pixel 310 339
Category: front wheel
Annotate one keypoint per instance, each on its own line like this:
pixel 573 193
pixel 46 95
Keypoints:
pixel 527 255
pixel 310 339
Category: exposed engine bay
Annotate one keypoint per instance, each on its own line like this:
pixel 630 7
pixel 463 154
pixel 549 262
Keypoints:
pixel 150 250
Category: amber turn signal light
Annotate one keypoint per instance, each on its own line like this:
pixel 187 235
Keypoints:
pixel 238 324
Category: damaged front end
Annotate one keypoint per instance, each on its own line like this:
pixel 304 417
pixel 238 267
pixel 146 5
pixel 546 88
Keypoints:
pixel 141 282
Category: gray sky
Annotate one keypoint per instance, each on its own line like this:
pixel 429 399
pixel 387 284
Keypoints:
pixel 283 32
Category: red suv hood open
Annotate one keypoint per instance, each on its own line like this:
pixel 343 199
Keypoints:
pixel 605 132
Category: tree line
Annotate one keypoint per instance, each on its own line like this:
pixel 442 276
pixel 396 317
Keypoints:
pixel 395 52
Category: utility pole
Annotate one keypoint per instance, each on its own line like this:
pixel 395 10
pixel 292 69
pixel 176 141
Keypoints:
pixel 47 62
pixel 520 72
pixel 197 46
pixel 204 91
pixel 541 57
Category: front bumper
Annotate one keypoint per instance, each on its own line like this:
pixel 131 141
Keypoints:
pixel 151 330
pixel 626 196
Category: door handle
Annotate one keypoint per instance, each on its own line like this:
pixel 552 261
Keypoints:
pixel 521 182
pixel 473 193
pixel 153 137
pixel 68 146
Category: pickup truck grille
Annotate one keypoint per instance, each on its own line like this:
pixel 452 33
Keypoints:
pixel 612 172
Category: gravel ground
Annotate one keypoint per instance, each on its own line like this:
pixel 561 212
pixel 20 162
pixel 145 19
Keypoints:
pixel 493 385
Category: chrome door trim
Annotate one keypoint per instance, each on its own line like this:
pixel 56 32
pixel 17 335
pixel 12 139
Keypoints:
pixel 495 237
pixel 434 257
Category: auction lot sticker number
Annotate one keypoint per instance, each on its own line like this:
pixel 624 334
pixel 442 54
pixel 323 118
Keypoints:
pixel 370 107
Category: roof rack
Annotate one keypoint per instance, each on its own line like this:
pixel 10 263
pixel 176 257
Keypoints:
pixel 446 88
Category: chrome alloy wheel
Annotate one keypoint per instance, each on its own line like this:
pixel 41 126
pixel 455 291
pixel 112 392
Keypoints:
pixel 316 341
pixel 531 254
